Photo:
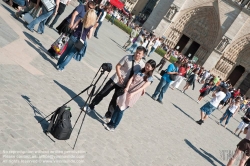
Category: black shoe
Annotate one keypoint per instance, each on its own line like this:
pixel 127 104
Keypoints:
pixel 159 101
pixel 200 122
pixel 153 98
pixel 96 37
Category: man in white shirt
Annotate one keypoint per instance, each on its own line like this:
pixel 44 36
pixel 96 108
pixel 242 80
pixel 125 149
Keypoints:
pixel 209 107
pixel 101 16
pixel 155 46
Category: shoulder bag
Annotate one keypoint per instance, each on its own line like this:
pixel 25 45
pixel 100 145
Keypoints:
pixel 79 44
pixel 49 4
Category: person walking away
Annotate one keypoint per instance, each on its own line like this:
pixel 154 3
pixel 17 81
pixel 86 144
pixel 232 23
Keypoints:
pixel 134 90
pixel 243 124
pixel 124 71
pixel 163 61
pixel 33 4
pixel 84 30
pixel 165 81
pixel 42 19
pixel 61 8
pixel 180 77
pixel 137 43
pixel 243 147
pixel 113 17
pixel 204 91
pixel 101 16
pixel 77 14
pixel 225 101
pixel 191 80
pixel 132 35
pixel 231 111
pixel 209 107
pixel 155 46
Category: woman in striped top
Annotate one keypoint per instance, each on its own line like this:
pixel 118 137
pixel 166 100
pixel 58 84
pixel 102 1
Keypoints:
pixel 133 91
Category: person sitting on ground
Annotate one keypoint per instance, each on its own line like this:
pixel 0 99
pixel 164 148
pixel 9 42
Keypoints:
pixel 134 90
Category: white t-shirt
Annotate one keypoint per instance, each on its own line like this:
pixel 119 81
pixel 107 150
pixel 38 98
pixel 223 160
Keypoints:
pixel 145 44
pixel 157 44
pixel 103 17
pixel 218 97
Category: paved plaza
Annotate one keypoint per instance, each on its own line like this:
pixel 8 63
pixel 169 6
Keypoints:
pixel 149 134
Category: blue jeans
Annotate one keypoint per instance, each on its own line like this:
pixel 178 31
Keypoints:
pixel 132 49
pixel 97 28
pixel 161 89
pixel 151 51
pixel 41 20
pixel 227 114
pixel 116 117
pixel 68 53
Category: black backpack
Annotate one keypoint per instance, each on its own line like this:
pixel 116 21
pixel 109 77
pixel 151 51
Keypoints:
pixel 60 124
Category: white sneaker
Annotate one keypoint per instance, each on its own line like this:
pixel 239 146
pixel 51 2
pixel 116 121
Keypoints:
pixel 106 120
pixel 198 101
pixel 87 109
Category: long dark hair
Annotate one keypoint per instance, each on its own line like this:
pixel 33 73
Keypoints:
pixel 150 73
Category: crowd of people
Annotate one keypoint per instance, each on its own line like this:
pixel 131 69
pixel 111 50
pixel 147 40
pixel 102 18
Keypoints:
pixel 134 73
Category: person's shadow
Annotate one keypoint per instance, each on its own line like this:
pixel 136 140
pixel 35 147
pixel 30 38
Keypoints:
pixel 39 115
pixel 183 112
pixel 209 157
pixel 80 101
pixel 117 44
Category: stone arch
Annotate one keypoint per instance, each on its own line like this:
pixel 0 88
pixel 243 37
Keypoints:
pixel 200 24
pixel 236 54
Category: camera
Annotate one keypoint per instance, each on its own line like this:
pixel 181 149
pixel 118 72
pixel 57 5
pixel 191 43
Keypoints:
pixel 107 67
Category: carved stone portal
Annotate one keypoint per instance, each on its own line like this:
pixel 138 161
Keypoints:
pixel 223 44
pixel 171 12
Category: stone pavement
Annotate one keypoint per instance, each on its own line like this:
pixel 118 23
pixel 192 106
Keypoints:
pixel 149 133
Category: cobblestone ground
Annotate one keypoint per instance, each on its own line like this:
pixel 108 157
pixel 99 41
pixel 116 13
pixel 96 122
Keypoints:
pixel 149 134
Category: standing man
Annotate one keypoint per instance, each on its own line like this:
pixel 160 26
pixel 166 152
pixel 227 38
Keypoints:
pixel 123 73
pixel 165 81
pixel 102 12
pixel 133 34
pixel 62 6
pixel 155 46
pixel 243 146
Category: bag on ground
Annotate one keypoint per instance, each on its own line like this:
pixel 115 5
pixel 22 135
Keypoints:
pixel 27 18
pixel 60 124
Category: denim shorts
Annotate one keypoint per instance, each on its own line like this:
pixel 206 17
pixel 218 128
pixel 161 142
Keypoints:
pixel 208 108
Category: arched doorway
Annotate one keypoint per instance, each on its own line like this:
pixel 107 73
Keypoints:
pixel 236 74
pixel 245 85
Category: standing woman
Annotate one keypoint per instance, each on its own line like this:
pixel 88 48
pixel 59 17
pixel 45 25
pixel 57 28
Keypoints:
pixel 133 91
pixel 191 80
pixel 180 77
pixel 83 31
pixel 244 123
pixel 231 111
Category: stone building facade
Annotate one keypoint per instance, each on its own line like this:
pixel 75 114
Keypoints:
pixel 217 32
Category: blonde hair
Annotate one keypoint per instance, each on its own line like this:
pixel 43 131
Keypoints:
pixel 89 19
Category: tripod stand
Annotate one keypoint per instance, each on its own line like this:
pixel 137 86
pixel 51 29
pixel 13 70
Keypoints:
pixel 88 101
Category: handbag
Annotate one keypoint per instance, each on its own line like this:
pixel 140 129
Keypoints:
pixel 79 44
pixel 49 4
pixel 121 91
pixel 173 77
pixel 27 18
pixel 60 45
pixel 203 89
pixel 162 72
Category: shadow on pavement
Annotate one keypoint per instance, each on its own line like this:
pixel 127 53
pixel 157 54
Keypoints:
pixel 157 77
pixel 41 53
pixel 39 115
pixel 117 44
pixel 80 101
pixel 183 112
pixel 209 157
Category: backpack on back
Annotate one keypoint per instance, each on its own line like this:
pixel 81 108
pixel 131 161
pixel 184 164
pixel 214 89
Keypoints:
pixel 60 124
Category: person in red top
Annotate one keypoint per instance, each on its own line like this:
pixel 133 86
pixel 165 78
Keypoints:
pixel 182 72
pixel 236 93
